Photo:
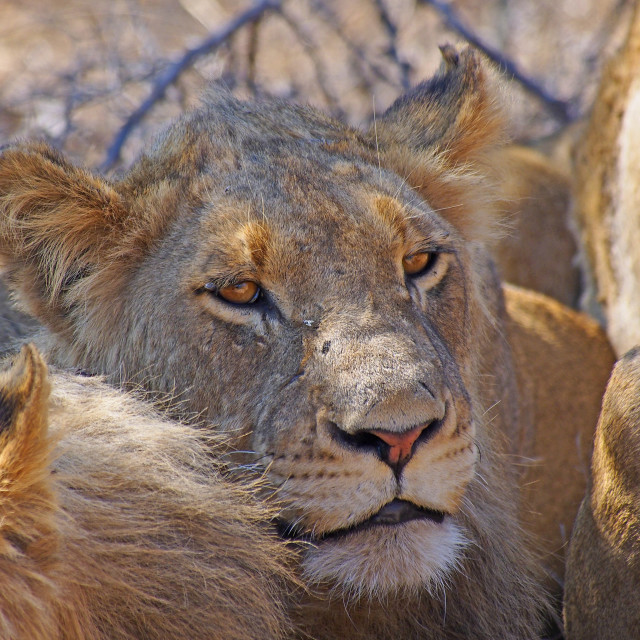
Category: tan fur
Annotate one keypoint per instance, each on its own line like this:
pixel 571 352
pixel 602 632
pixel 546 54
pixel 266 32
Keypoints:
pixel 342 344
pixel 608 195
pixel 603 566
pixel 537 250
pixel 116 523
pixel 559 355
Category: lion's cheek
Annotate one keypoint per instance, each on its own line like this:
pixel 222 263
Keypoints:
pixel 440 482
pixel 415 555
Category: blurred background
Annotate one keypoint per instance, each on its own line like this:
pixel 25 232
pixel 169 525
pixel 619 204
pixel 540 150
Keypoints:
pixel 76 71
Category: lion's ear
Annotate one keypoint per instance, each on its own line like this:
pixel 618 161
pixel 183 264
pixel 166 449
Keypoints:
pixel 57 224
pixel 439 136
pixel 24 392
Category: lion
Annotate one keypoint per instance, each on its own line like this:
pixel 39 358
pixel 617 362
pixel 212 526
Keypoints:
pixel 117 523
pixel 537 250
pixel 603 564
pixel 607 195
pixel 325 298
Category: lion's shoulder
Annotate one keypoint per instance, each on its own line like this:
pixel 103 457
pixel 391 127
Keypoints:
pixel 603 565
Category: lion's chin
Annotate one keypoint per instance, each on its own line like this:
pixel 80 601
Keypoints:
pixel 375 562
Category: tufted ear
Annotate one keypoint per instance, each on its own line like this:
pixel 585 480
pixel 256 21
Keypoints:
pixel 439 136
pixel 25 450
pixel 24 392
pixel 57 224
pixel 69 238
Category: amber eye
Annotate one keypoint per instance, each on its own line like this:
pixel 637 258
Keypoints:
pixel 415 263
pixel 242 293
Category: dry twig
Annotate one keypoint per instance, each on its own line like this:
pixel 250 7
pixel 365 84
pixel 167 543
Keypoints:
pixel 325 13
pixel 559 108
pixel 174 70
pixel 252 54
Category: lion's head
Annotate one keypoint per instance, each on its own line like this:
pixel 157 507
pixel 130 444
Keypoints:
pixel 324 296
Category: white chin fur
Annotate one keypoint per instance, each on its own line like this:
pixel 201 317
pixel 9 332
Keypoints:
pixel 413 556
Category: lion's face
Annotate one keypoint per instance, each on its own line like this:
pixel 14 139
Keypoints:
pixel 313 292
pixel 320 313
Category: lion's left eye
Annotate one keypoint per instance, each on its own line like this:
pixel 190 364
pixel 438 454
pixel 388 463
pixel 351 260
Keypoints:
pixel 417 263
pixel 246 292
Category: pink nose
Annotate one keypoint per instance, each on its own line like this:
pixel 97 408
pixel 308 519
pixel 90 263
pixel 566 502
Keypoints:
pixel 400 444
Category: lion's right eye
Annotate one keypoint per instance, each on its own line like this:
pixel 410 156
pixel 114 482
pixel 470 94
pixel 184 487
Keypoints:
pixel 416 263
pixel 246 292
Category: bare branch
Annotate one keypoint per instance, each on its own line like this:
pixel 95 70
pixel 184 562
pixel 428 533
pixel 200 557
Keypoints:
pixel 173 71
pixel 252 53
pixel 392 32
pixel 560 109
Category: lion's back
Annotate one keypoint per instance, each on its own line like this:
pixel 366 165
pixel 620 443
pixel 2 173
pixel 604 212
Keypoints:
pixel 563 359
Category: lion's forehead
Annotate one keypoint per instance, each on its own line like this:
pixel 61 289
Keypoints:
pixel 296 205
pixel 313 186
pixel 293 170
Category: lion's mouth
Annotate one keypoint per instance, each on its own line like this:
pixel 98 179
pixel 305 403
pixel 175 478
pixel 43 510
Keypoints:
pixel 392 514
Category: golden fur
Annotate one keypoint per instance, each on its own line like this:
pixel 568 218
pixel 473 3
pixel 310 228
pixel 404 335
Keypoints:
pixel 607 193
pixel 603 570
pixel 343 351
pixel 603 565
pixel 118 524
pixel 538 250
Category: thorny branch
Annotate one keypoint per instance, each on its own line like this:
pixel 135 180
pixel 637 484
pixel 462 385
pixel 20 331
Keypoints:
pixel 172 73
pixel 559 108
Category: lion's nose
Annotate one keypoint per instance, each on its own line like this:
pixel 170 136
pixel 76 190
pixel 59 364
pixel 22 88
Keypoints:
pixel 399 445
pixel 395 448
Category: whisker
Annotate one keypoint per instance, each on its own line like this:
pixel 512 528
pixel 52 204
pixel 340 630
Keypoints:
pixel 375 129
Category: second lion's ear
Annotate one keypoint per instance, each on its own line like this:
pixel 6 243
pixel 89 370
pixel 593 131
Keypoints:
pixel 58 225
pixel 439 135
